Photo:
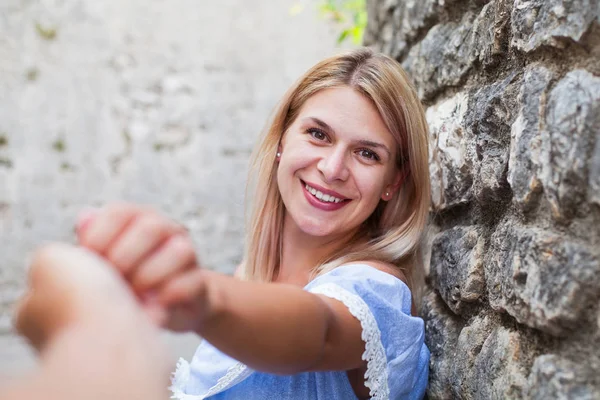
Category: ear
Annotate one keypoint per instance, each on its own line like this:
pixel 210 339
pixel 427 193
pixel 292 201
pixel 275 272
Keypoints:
pixel 399 179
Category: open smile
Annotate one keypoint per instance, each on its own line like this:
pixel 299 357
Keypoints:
pixel 323 199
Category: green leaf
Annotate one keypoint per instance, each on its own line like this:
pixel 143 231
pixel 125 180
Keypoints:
pixel 343 36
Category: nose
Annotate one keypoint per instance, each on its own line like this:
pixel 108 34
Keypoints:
pixel 333 165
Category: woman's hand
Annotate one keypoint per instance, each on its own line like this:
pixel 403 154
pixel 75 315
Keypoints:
pixel 155 255
pixel 146 247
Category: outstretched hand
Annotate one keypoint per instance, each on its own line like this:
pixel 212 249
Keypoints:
pixel 94 339
pixel 156 257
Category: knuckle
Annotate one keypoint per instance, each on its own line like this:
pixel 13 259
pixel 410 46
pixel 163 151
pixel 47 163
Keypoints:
pixel 120 260
pixel 119 209
pixel 184 247
pixel 152 224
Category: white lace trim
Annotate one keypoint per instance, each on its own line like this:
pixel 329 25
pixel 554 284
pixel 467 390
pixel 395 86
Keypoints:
pixel 235 374
pixel 376 376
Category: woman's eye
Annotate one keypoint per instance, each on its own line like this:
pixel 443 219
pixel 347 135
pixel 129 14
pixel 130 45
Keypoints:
pixel 317 134
pixel 368 154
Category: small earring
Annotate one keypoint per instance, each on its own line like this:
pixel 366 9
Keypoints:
pixel 387 193
pixel 278 155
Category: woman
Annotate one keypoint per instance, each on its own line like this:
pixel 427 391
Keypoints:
pixel 322 304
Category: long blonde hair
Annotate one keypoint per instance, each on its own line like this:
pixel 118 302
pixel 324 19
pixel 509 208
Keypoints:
pixel 393 233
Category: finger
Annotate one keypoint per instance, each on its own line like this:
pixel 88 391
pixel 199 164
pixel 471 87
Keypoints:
pixel 144 235
pixel 67 283
pixel 153 309
pixel 84 220
pixel 107 225
pixel 27 322
pixel 185 288
pixel 175 255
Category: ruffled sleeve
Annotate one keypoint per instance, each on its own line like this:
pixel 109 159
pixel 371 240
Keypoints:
pixel 397 358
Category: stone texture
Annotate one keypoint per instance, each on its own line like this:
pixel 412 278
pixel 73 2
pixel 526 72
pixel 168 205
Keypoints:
pixel 449 50
pixel 442 58
pixel 488 120
pixel 554 377
pixel 490 32
pixel 457 266
pixel 450 168
pixel 512 93
pixel 536 23
pixel 501 367
pixel 542 279
pixel 526 138
pixel 572 126
pixel 404 20
pixel 487 361
pixel 153 102
pixel 468 346
pixel 594 175
pixel 441 333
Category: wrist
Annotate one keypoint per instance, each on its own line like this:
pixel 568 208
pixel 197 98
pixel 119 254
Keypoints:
pixel 212 300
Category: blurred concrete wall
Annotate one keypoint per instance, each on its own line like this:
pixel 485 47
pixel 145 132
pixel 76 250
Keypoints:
pixel 149 101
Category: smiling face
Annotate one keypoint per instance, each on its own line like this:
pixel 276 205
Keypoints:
pixel 338 161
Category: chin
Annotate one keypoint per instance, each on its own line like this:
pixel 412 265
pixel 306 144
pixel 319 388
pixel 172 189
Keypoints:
pixel 317 228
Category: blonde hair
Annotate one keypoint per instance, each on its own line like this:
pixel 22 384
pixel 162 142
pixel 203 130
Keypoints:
pixel 393 233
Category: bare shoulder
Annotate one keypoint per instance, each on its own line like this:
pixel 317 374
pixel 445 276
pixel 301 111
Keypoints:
pixel 387 268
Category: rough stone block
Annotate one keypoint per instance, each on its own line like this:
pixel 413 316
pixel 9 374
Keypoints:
pixel 379 30
pixel 536 23
pixel 490 30
pixel 394 25
pixel 594 175
pixel 488 121
pixel 485 361
pixel 524 162
pixel 450 167
pixel 544 280
pixel 468 346
pixel 441 333
pixel 572 125
pixel 449 50
pixel 553 377
pixel 457 266
pixel 500 370
pixel 442 58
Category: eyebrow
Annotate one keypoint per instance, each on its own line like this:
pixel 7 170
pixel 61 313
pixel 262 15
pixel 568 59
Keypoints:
pixel 369 143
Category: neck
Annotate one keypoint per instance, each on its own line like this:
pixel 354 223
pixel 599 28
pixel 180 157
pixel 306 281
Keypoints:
pixel 301 252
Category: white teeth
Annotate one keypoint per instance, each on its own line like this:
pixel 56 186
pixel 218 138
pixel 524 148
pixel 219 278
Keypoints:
pixel 323 197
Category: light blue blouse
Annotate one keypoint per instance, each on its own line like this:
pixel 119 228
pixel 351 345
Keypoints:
pixel 397 357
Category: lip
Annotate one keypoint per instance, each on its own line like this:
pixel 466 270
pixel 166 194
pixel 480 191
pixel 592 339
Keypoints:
pixel 325 191
pixel 322 205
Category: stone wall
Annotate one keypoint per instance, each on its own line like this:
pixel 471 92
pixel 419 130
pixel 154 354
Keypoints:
pixel 512 89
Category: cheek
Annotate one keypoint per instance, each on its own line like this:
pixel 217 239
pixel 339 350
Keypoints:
pixel 371 186
pixel 296 158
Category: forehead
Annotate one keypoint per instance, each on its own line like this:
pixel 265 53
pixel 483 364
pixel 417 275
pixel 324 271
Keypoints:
pixel 347 112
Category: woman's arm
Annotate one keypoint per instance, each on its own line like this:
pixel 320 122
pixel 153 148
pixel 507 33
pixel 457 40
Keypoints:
pixel 271 327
